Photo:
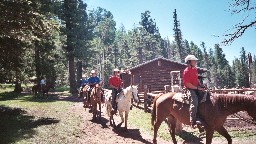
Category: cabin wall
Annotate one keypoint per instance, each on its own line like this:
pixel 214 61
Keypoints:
pixel 155 75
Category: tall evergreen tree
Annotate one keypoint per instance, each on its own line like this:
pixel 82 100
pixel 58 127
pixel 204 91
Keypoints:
pixel 178 37
pixel 70 7
pixel 244 70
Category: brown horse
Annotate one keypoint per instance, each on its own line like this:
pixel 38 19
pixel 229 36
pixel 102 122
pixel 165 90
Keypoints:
pixel 85 94
pixel 214 111
pixel 95 99
pixel 45 89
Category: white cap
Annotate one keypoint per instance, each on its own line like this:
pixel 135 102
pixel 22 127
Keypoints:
pixel 190 57
pixel 116 70
pixel 84 76
pixel 93 71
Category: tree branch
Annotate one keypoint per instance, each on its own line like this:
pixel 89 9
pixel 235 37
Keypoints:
pixel 240 29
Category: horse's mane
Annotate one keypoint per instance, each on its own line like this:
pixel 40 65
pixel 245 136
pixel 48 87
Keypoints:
pixel 228 99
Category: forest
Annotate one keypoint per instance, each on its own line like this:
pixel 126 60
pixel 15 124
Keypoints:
pixel 62 40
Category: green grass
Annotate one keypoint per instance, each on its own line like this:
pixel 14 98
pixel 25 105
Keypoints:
pixel 142 120
pixel 26 119
pixel 62 88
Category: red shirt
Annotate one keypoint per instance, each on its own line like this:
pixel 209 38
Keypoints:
pixel 190 76
pixel 115 81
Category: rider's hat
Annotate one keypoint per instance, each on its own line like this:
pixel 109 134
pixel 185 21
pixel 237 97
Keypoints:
pixel 93 72
pixel 116 70
pixel 189 58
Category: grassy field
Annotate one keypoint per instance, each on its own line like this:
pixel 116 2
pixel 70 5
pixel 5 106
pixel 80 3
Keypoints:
pixel 26 119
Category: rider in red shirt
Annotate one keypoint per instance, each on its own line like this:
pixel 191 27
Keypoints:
pixel 191 82
pixel 115 83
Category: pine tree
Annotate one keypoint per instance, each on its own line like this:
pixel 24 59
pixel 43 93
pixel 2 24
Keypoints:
pixel 244 70
pixel 178 37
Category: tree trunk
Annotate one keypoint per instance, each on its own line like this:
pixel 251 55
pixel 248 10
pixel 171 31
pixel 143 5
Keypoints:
pixel 79 72
pixel 69 18
pixel 140 56
pixel 37 62
pixel 72 76
pixel 17 88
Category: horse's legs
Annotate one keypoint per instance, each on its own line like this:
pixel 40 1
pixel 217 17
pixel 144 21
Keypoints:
pixel 156 127
pixel 222 131
pixel 100 111
pixel 172 121
pixel 126 118
pixel 209 135
pixel 122 118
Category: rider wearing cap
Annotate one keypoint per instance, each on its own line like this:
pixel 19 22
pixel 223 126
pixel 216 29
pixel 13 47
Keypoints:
pixel 83 82
pixel 191 82
pixel 92 81
pixel 115 83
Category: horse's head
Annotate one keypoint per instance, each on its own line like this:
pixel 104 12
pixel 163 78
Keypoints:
pixel 134 90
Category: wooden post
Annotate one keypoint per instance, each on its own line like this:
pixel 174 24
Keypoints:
pixel 166 88
pixel 145 97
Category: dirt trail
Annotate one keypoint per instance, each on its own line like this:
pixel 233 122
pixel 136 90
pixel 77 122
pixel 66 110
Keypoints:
pixel 101 132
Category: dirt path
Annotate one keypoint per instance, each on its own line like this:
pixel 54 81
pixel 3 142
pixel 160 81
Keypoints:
pixel 101 132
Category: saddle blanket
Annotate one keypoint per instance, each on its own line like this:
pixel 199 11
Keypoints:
pixel 183 98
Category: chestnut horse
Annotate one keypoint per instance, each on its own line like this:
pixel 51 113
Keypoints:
pixel 214 111
pixel 95 99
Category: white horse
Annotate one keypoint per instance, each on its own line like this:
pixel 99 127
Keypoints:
pixel 124 103
pixel 108 99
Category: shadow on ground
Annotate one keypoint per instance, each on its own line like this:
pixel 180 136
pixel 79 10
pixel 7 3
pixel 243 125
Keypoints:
pixel 10 95
pixel 132 134
pixel 103 122
pixel 15 124
pixel 189 138
pixel 26 96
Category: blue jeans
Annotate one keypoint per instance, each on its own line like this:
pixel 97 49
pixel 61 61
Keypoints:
pixel 114 94
pixel 193 105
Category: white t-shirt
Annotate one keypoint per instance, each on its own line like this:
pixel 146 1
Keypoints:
pixel 42 81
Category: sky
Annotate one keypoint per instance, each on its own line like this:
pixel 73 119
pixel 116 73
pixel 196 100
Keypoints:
pixel 200 20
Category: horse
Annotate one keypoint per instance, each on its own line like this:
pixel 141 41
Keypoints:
pixel 84 93
pixel 108 105
pixel 214 112
pixel 124 103
pixel 96 99
pixel 37 88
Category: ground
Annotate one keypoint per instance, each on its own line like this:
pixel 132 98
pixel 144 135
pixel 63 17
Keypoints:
pixel 62 119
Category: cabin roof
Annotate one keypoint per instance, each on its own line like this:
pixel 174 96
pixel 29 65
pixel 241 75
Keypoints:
pixel 164 59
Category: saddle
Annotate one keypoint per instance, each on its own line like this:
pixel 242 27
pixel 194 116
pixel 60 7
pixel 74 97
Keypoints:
pixel 183 97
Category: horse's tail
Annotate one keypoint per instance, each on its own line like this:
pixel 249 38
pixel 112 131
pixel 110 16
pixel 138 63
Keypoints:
pixel 153 112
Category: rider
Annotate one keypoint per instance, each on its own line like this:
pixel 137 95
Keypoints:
pixel 83 82
pixel 42 84
pixel 191 82
pixel 93 80
pixel 115 83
